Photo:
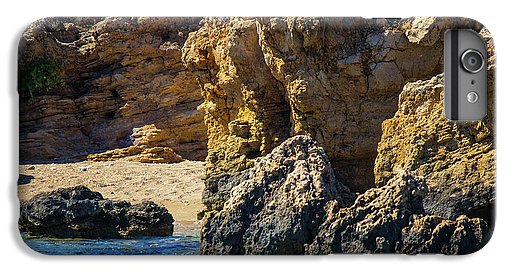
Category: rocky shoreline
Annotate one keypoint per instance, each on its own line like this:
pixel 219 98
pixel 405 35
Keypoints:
pixel 319 135
pixel 290 202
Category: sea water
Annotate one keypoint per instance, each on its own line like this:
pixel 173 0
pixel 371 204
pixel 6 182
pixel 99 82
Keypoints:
pixel 175 245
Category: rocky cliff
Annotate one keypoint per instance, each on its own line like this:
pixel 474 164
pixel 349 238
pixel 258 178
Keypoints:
pixel 118 75
pixel 334 79
pixel 291 203
pixel 370 94
pixel 456 159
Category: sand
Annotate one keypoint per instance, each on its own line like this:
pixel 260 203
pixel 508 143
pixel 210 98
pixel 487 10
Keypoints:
pixel 178 187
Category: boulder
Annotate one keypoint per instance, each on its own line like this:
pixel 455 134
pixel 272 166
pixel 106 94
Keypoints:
pixel 218 189
pixel 150 146
pixel 78 212
pixel 374 222
pixel 290 202
pixel 278 205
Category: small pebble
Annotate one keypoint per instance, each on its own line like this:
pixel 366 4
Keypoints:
pixel 84 168
pixel 32 167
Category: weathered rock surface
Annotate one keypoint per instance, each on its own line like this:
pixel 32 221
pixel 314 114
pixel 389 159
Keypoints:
pixel 391 219
pixel 119 74
pixel 334 79
pixel 78 212
pixel 279 205
pixel 246 110
pixel 282 99
pixel 450 166
pixel 218 189
pixel 431 234
pixel 291 203
pixel 149 146
pixel 456 159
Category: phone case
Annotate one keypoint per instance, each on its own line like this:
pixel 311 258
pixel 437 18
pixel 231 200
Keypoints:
pixel 249 136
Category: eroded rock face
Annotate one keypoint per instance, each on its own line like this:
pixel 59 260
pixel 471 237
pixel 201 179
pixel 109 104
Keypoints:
pixel 246 110
pixel 119 74
pixel 291 203
pixel 431 234
pixel 334 79
pixel 278 206
pixel 391 219
pixel 374 222
pixel 456 159
pixel 430 172
pixel 78 212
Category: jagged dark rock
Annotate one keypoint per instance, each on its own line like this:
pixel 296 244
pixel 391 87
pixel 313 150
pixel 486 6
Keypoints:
pixel 431 234
pixel 78 212
pixel 291 203
pixel 392 219
pixel 374 222
pixel 278 207
pixel 217 189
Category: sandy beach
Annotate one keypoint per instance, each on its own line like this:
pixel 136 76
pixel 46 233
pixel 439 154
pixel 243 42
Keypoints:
pixel 178 187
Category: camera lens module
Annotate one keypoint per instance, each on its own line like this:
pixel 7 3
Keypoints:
pixel 472 61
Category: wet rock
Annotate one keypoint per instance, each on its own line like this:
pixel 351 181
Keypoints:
pixel 78 212
pixel 278 206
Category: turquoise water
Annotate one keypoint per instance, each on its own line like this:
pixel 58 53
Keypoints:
pixel 176 245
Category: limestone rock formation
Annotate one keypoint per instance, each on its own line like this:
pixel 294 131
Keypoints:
pixel 246 110
pixel 218 189
pixel 374 222
pixel 279 205
pixel 78 212
pixel 119 74
pixel 150 145
pixel 284 110
pixel 334 79
pixel 456 159
pixel 391 219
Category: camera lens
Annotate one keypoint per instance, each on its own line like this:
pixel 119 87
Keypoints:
pixel 472 61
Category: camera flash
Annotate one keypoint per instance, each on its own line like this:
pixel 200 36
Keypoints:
pixel 472 97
